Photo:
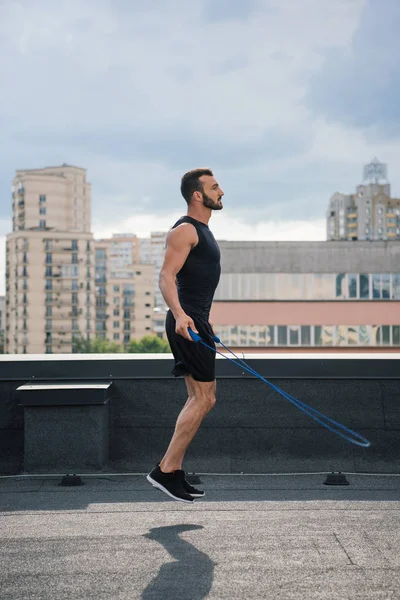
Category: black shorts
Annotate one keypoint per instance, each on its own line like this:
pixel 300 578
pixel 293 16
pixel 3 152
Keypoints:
pixel 192 358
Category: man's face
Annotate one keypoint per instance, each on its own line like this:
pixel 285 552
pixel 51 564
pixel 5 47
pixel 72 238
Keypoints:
pixel 212 193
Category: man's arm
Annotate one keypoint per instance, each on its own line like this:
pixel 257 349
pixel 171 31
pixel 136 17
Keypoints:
pixel 178 245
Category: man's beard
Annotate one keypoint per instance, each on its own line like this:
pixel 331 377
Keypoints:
pixel 210 203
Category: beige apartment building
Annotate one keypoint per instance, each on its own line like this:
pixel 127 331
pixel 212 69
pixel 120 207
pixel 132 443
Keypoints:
pixel 50 295
pixel 369 214
pixel 124 290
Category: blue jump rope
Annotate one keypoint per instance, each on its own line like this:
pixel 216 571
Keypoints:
pixel 320 418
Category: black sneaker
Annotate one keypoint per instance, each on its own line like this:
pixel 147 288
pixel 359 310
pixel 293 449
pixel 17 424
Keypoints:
pixel 170 483
pixel 195 493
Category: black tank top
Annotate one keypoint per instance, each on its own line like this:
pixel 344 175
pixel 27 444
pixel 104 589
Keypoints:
pixel 198 278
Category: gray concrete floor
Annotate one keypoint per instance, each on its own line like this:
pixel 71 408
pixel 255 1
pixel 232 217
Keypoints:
pixel 270 537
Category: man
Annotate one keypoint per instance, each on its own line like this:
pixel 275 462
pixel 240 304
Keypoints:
pixel 188 279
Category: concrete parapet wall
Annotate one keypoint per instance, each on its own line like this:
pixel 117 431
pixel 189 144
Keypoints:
pixel 252 429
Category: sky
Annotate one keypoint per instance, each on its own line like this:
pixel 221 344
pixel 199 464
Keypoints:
pixel 284 100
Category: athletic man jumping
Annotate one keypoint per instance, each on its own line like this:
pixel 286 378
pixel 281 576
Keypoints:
pixel 188 279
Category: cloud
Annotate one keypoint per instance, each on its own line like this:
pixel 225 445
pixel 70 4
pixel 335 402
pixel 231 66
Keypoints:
pixel 138 93
pixel 359 85
pixel 225 225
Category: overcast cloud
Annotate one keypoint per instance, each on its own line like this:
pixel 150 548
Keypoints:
pixel 284 100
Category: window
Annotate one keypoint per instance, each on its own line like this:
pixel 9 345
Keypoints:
pixel 69 271
pixel 42 223
pixel 74 298
pixel 42 199
pixel 305 335
pixel 116 336
pixel 127 313
pixel 396 286
pixel 282 335
pixel 381 286
pixel 127 325
pixel 116 324
pixel 116 288
pixel 352 282
pixel 383 335
pixel 49 271
pixel 340 285
pixel 127 337
pixel 116 312
pixel 74 245
pixel 364 285
pixel 323 286
pixel 352 335
pixel 49 311
pixel 49 258
pixel 42 210
pixel 75 325
pixel 74 258
pixel 49 284
pixel 294 335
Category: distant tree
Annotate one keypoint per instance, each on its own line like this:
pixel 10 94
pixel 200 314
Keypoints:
pixel 148 344
pixel 96 346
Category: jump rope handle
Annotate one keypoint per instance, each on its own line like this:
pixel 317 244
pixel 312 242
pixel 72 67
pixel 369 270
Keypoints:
pixel 197 338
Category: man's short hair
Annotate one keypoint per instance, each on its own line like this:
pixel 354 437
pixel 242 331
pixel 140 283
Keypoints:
pixel 191 183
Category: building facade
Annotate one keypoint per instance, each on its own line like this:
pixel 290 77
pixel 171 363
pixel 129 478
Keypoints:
pixel 152 250
pixel 308 294
pixel 369 214
pixel 50 297
pixel 124 290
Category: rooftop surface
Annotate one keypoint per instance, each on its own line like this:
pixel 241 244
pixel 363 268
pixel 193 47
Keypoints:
pixel 252 536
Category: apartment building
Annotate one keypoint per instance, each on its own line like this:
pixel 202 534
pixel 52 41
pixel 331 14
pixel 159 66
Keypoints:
pixel 370 213
pixel 50 296
pixel 124 290
pixel 292 295
pixel 152 250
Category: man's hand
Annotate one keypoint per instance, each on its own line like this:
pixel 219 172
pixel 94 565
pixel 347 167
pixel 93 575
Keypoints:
pixel 183 322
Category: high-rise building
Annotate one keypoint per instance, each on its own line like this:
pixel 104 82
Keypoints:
pixel 124 290
pixel 370 213
pixel 49 261
pixel 152 250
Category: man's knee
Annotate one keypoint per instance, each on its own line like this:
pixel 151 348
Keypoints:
pixel 208 398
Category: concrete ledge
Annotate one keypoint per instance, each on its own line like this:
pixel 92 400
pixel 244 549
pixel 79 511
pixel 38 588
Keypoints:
pixel 252 428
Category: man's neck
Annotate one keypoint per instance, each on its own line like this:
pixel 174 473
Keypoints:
pixel 203 215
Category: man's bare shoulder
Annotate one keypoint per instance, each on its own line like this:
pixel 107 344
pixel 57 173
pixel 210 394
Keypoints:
pixel 183 234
